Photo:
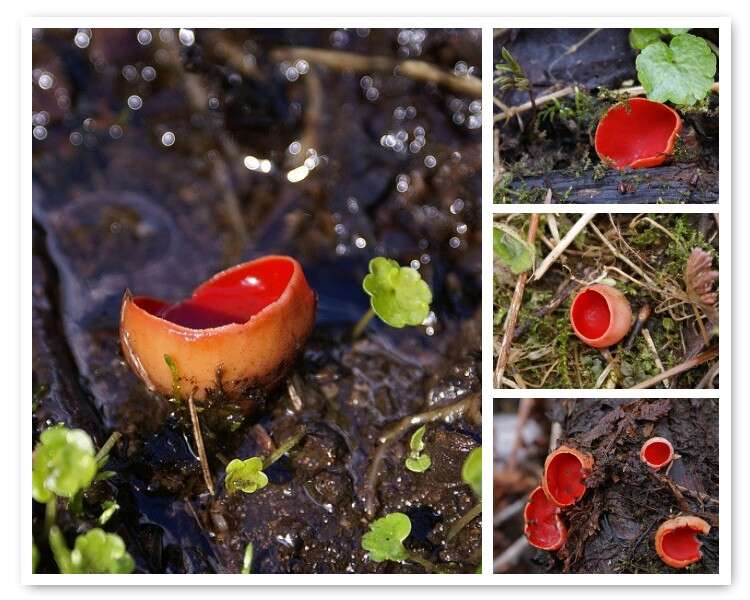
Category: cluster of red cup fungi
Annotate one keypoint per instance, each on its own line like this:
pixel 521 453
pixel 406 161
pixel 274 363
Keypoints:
pixel 240 329
pixel 563 484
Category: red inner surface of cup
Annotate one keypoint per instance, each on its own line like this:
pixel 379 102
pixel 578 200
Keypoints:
pixel 591 315
pixel 634 130
pixel 541 517
pixel 681 544
pixel 565 478
pixel 656 453
pixel 232 297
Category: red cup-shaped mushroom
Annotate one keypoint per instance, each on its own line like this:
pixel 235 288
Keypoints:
pixel 564 472
pixel 637 133
pixel 543 526
pixel 657 452
pixel 239 330
pixel 600 315
pixel 677 542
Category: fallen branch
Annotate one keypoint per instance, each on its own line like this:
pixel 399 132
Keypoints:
pixel 513 310
pixel 691 363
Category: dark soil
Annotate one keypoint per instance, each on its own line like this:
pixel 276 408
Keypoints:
pixel 611 529
pixel 115 208
pixel 553 148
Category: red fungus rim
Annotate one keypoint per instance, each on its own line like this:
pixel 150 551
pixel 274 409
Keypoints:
pixel 637 133
pixel 591 314
pixel 543 527
pixel 564 473
pixel 677 542
pixel 657 452
pixel 229 298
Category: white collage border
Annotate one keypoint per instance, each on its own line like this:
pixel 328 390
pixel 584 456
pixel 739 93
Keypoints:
pixel 487 24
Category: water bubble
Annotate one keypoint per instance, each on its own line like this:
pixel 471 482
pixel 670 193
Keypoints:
pixel 341 249
pixel 295 148
pixel 82 39
pixel 460 68
pixel 144 37
pixel 360 242
pixel 402 185
pixel 213 103
pixel 135 102
pixel 39 132
pixel 475 106
pixel 457 206
pixel 458 118
pixel 339 38
pixel 40 118
pixel 186 36
pixel 430 161
pixel 148 73
pixel 340 229
pixel 425 259
pixel 89 124
pixel 475 122
pixel 302 66
pixel 352 205
pixel 415 264
pixel 129 72
pixel 372 94
pixel 76 138
pixel 46 80
pixel 462 228
pixel 115 132
pixel 454 242
pixel 167 138
pixel 411 112
pixel 363 32
pixel 291 74
pixel 365 82
pixel 166 35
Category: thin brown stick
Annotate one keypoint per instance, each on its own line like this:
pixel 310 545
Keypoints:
pixel 708 377
pixel 198 435
pixel 359 63
pixel 573 232
pixel 515 306
pixel 691 363
pixel 652 347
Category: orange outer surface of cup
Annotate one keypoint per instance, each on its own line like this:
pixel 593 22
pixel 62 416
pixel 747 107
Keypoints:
pixel 253 354
pixel 620 316
pixel 696 524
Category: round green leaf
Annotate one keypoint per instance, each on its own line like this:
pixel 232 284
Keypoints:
pixel 640 38
pixel 418 464
pixel 63 463
pixel 245 475
pixel 398 295
pixel 681 73
pixel 385 539
pixel 472 471
pixel 99 552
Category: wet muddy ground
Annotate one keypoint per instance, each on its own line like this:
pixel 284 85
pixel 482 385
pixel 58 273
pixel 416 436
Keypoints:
pixel 645 257
pixel 612 528
pixel 162 157
pixel 551 147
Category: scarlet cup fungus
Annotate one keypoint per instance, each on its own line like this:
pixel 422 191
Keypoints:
pixel 677 542
pixel 240 329
pixel 657 452
pixel 600 315
pixel 543 526
pixel 564 472
pixel 637 133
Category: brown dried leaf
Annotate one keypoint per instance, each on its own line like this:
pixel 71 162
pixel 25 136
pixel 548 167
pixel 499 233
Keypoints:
pixel 700 280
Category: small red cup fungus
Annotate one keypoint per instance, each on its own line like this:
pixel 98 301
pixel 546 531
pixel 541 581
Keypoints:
pixel 241 329
pixel 600 315
pixel 564 472
pixel 637 133
pixel 677 542
pixel 543 526
pixel 657 452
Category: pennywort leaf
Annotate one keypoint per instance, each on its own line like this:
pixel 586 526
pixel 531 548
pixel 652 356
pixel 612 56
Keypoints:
pixel 245 475
pixel 63 464
pixel 95 551
pixel 471 472
pixel 385 539
pixel 398 295
pixel 511 249
pixel 682 72
pixel 640 38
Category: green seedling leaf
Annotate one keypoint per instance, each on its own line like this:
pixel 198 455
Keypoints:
pixel 109 508
pixel 245 475
pixel 247 560
pixel 512 250
pixel 398 295
pixel 640 38
pixel 416 442
pixel 681 73
pixel 418 464
pixel 97 551
pixel 385 539
pixel 63 463
pixel 471 472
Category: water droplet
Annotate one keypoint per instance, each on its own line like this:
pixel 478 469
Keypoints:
pixel 135 102
pixel 454 242
pixel 360 242
pixel 295 148
pixel 129 72
pixel 430 161
pixel 415 264
pixel 302 66
pixel 372 94
pixel 148 73
pixel 40 118
pixel 167 138
pixel 457 206
pixel 291 74
pixel 213 103
pixel 82 39
pixel 39 132
pixel 115 132
pixel 76 138
pixel 352 204
pixel 46 80
pixel 144 37
pixel 187 37
pixel 462 228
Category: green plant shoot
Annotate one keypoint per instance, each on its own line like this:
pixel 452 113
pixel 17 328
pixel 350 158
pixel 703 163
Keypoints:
pixel 418 461
pixel 471 472
pixel 245 475
pixel 64 463
pixel 385 539
pixel 109 508
pixel 398 295
pixel 512 250
pixel 247 560
pixel 95 551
